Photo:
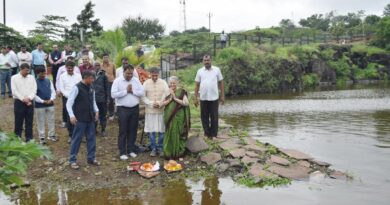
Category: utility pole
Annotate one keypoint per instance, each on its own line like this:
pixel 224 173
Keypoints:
pixel 183 2
pixel 4 13
pixel 209 15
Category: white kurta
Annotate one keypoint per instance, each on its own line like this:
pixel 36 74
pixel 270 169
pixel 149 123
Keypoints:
pixel 154 122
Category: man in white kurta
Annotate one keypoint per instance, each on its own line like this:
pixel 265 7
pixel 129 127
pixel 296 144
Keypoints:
pixel 156 91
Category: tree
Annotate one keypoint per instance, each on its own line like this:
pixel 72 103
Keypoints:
pixel 372 19
pixel 174 33
pixel 386 11
pixel 9 36
pixel 201 29
pixel 286 24
pixel 85 22
pixel 338 29
pixel 383 33
pixel 111 41
pixel 51 27
pixel 141 29
pixel 317 21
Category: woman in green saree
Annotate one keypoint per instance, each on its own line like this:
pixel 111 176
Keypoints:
pixel 177 120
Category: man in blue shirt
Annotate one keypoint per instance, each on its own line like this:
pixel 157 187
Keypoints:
pixel 38 56
pixel 83 113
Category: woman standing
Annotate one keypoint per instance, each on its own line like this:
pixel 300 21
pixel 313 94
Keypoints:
pixel 177 120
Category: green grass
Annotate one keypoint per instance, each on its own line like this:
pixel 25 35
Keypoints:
pixel 370 50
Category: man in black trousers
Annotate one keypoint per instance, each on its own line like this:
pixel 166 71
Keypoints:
pixel 127 91
pixel 24 89
pixel 209 89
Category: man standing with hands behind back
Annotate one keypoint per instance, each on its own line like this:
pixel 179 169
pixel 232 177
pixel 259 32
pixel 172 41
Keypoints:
pixel 209 86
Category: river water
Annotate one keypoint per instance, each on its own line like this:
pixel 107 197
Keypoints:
pixel 348 128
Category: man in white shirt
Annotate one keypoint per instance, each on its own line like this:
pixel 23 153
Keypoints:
pixel 119 71
pixel 5 73
pixel 207 82
pixel 24 89
pixel 127 91
pixel 67 81
pixel 24 56
pixel 13 60
pixel 224 38
pixel 61 71
pixel 67 52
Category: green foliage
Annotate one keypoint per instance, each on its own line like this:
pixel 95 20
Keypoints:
pixel 185 42
pixel 141 29
pixel 148 59
pixel 51 27
pixel 263 182
pixel 370 72
pixel 310 80
pixel 91 27
pixel 265 32
pixel 111 41
pixel 316 21
pixel 342 68
pixel 14 158
pixel 327 54
pixel 386 10
pixel 187 76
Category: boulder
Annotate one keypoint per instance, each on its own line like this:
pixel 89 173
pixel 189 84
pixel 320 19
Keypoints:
pixel 279 160
pixel 295 154
pixel 196 144
pixel 338 175
pixel 211 158
pixel 222 167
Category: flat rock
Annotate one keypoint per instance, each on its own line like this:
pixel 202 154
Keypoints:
pixel 321 163
pixel 230 144
pixel 250 141
pixel 196 144
pixel 251 154
pixel 295 154
pixel 255 148
pixel 222 167
pixel 256 170
pixel 294 172
pixel 304 163
pixel 219 140
pixel 279 160
pixel 249 160
pixel 338 175
pixel 234 162
pixel 237 153
pixel 211 158
pixel 223 136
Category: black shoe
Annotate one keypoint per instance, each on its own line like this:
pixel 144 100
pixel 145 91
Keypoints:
pixel 103 133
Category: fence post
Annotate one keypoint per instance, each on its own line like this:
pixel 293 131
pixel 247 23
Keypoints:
pixel 229 37
pixel 245 38
pixel 194 54
pixel 283 40
pixel 175 61
pixel 259 39
pixel 300 40
pixel 272 40
pixel 215 46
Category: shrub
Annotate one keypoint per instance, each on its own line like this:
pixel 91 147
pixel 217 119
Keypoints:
pixel 310 80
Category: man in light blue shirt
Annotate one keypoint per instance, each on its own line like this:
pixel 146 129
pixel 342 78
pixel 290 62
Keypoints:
pixel 127 91
pixel 38 56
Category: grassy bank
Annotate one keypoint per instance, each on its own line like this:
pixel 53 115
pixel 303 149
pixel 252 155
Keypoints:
pixel 268 68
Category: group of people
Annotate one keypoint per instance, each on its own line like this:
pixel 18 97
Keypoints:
pixel 93 92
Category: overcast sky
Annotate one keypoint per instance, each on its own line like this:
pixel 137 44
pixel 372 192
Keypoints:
pixel 228 15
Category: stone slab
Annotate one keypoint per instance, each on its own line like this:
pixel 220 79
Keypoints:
pixel 295 154
pixel 294 172
pixel 211 158
pixel 249 160
pixel 279 160
pixel 237 153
